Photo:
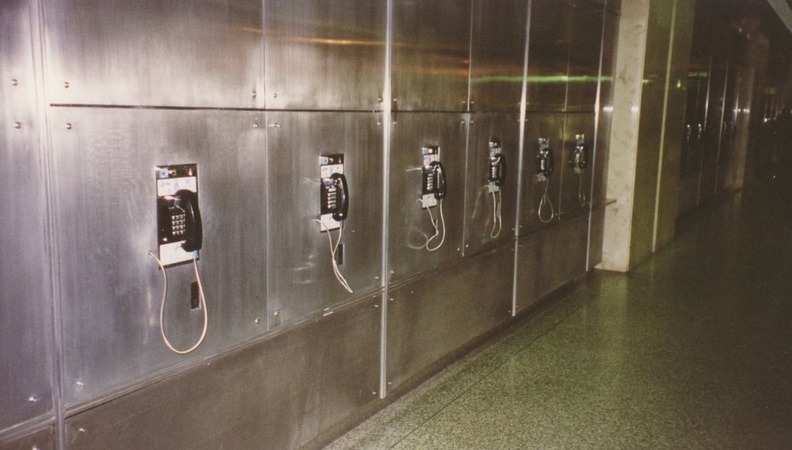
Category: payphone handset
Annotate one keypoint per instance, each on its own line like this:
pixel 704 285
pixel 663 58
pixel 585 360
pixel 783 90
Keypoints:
pixel 496 178
pixel 179 236
pixel 543 174
pixel 179 224
pixel 578 162
pixel 333 192
pixel 433 177
pixel 496 174
pixel 334 208
pixel 545 157
pixel 433 191
pixel 579 158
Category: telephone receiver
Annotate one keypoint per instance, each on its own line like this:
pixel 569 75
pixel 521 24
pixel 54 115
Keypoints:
pixel 439 174
pixel 497 172
pixel 579 159
pixel 545 161
pixel 342 209
pixel 193 232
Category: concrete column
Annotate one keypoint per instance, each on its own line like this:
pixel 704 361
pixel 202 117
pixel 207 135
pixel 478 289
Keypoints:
pixel 648 114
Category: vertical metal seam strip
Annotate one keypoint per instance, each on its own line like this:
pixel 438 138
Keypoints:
pixel 45 159
pixel 386 138
pixel 468 120
pixel 726 82
pixel 521 157
pixel 595 138
pixel 669 60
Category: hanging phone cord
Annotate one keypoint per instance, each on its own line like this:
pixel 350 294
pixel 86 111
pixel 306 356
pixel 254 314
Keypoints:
pixel 581 194
pixel 162 307
pixel 497 218
pixel 333 249
pixel 435 223
pixel 545 201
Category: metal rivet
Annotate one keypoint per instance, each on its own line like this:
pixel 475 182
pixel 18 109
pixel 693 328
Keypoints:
pixel 255 125
pixel 79 384
pixel 81 430
pixel 255 93
pixel 390 383
pixel 373 392
pixel 32 399
pixel 66 85
pixel 467 245
pixel 376 278
pixel 379 99
pixel 376 306
pixel 35 447
pixel 257 321
pixel 459 249
pixel 391 299
pixel 17 125
pixel 275 95
pixel 14 82
pixel 68 126
pixel 392 272
pixel 276 313
pixel 395 100
pixel 412 292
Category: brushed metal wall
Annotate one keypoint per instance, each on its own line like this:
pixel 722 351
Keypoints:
pixel 155 52
pixel 547 126
pixel 497 54
pixel 105 204
pixel 253 91
pixel 548 54
pixel 575 195
pixel 26 329
pixel 431 55
pixel 441 312
pixel 584 56
pixel 322 55
pixel 480 226
pixel 301 277
pixel 43 439
pixel 274 394
pixel 410 224
pixel 548 258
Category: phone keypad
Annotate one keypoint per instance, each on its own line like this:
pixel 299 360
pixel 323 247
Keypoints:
pixel 178 221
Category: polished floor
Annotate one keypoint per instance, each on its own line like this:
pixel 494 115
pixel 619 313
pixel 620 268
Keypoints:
pixel 693 349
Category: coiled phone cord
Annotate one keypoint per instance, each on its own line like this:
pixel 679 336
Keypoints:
pixel 581 194
pixel 162 307
pixel 435 224
pixel 333 250
pixel 497 218
pixel 545 201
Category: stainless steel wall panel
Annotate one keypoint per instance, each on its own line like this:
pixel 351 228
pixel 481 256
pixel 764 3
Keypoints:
pixel 42 440
pixel 301 279
pixel 549 126
pixel 325 56
pixel 409 224
pixel 604 120
pixel 155 52
pixel 431 55
pixel 480 225
pixel 575 198
pixel 105 199
pixel 549 258
pixel 275 394
pixel 613 6
pixel 497 54
pixel 442 312
pixel 548 54
pixel 26 296
pixel 584 56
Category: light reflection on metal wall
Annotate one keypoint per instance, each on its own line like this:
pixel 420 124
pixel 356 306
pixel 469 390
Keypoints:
pixel 25 292
pixel 253 92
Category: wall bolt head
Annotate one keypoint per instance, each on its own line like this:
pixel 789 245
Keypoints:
pixel 14 82
pixel 68 126
pixel 17 125
pixel 32 399
pixel 66 84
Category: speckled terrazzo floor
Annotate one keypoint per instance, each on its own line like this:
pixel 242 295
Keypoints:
pixel 693 349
